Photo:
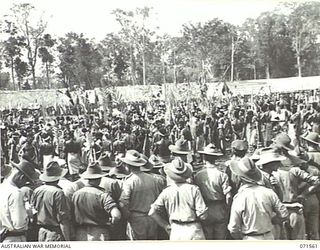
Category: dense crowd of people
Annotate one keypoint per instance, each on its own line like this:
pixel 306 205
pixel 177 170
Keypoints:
pixel 241 169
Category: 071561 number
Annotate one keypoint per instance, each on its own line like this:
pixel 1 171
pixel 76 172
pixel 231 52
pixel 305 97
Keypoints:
pixel 309 246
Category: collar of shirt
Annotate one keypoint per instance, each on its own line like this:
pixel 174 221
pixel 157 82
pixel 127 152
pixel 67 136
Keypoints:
pixel 97 187
pixel 209 165
pixel 245 186
pixel 53 185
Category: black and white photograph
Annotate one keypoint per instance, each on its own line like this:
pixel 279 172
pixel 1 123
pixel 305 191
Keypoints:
pixel 159 121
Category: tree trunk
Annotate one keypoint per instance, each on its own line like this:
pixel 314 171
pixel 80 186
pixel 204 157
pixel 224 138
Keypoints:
pixel 163 72
pixel 267 71
pixel 174 68
pixel 232 60
pixel 299 65
pixel 143 68
pixel 47 73
pixel 12 74
pixel 254 72
pixel 202 77
pixel 132 67
pixel 33 69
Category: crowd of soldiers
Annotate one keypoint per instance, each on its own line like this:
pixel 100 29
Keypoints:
pixel 246 172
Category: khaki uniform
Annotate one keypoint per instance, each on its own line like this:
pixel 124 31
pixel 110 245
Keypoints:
pixel 184 205
pixel 92 206
pixel 139 191
pixel 214 185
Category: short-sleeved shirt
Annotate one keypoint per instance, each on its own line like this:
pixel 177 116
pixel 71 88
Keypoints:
pixel 13 214
pixel 252 210
pixel 139 191
pixel 51 204
pixel 213 184
pixel 182 202
pixel 92 206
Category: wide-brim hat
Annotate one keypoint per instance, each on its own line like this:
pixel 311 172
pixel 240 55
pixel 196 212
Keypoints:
pixel 180 147
pixel 312 137
pixel 283 140
pixel 93 171
pixel 119 172
pixel 178 170
pixel 105 162
pixel 53 172
pixel 211 150
pixel 246 169
pixel 268 155
pixel 148 166
pixel 133 158
pixel 156 162
pixel 27 168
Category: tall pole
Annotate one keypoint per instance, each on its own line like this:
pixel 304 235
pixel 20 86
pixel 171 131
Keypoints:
pixel 232 59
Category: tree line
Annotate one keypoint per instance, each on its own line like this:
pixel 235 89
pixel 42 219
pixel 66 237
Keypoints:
pixel 284 42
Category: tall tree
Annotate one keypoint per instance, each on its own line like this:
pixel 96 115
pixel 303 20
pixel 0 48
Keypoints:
pixel 136 31
pixel 115 59
pixel 274 44
pixel 80 61
pixel 46 55
pixel 210 46
pixel 304 25
pixel 23 16
pixel 12 48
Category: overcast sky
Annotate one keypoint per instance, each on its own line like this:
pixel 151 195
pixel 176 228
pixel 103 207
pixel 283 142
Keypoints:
pixel 93 17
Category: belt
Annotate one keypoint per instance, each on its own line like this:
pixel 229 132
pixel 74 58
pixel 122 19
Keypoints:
pixel 12 233
pixel 183 222
pixel 256 234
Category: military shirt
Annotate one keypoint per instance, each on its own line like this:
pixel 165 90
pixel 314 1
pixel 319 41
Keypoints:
pixel 51 204
pixel 183 202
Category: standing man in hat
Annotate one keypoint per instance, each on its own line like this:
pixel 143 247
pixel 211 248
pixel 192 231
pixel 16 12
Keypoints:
pixel 182 202
pixel 152 168
pixel 108 184
pixel 180 149
pixel 313 142
pixel 239 149
pixel 111 186
pixel 269 162
pixel 139 191
pixel 311 204
pixel 13 213
pixel 94 209
pixel 253 206
pixel 54 215
pixel 216 192
pixel 289 177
